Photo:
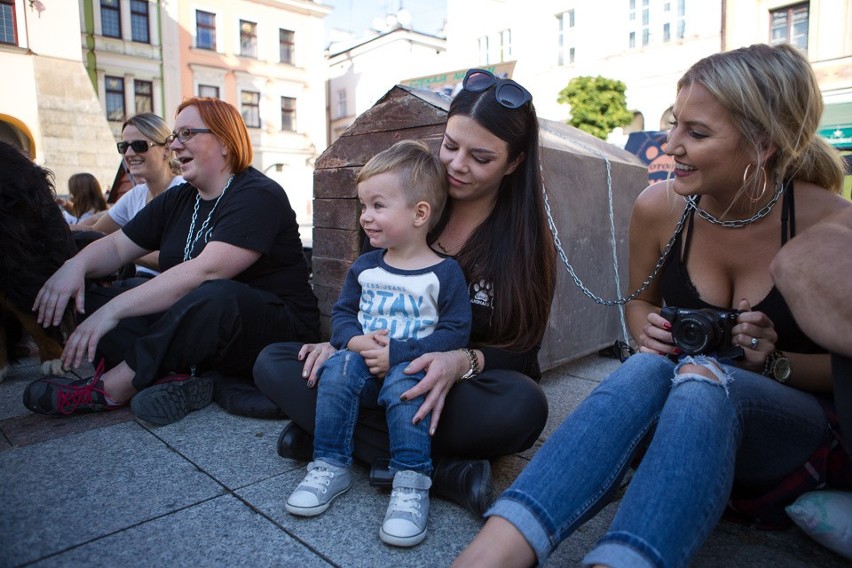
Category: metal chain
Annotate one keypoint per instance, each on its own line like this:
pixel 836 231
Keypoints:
pixel 190 242
pixel 579 283
pixel 692 201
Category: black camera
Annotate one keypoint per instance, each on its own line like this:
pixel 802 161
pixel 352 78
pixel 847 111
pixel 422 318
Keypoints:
pixel 703 331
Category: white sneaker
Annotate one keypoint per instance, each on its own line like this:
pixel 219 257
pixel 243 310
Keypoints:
pixel 405 519
pixel 320 486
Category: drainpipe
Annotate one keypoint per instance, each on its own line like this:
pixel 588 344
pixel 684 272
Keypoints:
pixel 724 28
pixel 162 67
pixel 90 56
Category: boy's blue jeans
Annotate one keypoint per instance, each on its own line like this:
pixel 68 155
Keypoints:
pixel 703 435
pixel 344 385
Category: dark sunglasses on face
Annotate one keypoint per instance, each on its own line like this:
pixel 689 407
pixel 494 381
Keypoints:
pixel 509 93
pixel 139 146
pixel 184 134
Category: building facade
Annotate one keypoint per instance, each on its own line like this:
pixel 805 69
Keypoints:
pixel 647 44
pixel 48 107
pixel 361 71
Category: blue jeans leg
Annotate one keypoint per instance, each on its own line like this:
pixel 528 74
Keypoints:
pixel 706 439
pixel 577 470
pixel 410 444
pixel 344 385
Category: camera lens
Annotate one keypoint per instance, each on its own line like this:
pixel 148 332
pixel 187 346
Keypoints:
pixel 694 333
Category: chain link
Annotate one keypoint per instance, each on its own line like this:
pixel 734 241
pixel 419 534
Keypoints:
pixel 579 283
pixel 692 202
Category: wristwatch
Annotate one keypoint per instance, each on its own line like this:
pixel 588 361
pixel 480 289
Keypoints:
pixel 777 366
pixel 474 364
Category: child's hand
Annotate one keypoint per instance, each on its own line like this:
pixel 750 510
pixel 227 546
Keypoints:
pixel 378 358
pixel 361 343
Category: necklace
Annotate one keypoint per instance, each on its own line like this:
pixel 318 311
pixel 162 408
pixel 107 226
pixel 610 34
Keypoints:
pixel 691 202
pixel 190 241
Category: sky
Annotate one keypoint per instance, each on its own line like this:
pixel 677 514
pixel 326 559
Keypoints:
pixel 357 16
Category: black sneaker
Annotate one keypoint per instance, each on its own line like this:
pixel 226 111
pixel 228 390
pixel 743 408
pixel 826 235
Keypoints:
pixel 295 443
pixel 171 398
pixel 64 396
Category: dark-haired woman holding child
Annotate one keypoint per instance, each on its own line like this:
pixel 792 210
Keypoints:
pixel 483 402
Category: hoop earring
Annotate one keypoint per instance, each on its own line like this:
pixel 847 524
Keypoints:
pixel 755 199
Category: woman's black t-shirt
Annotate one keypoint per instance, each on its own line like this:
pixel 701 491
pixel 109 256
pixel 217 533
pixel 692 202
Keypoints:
pixel 255 214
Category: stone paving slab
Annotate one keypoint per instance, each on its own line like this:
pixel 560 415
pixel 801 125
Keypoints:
pixel 109 490
pixel 234 450
pixel 69 491
pixel 220 532
pixel 348 532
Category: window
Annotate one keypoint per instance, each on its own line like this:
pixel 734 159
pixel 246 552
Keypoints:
pixel 341 103
pixel 667 31
pixel 505 45
pixel 250 102
pixel 139 21
pixel 205 30
pixel 484 50
pixel 143 91
pixel 288 114
pixel 565 47
pixel 248 38
pixel 789 25
pixel 7 22
pixel 114 87
pixel 208 91
pixel 110 18
pixel 287 46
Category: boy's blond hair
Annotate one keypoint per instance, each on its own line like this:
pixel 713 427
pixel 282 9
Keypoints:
pixel 422 176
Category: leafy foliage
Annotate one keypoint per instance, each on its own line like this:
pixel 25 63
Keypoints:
pixel 597 104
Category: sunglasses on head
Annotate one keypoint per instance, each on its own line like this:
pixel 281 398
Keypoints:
pixel 139 146
pixel 508 93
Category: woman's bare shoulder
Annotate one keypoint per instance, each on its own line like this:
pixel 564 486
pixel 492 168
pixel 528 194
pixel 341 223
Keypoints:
pixel 658 203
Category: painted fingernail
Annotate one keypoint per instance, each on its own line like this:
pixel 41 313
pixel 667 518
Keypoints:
pixel 311 384
pixel 403 397
pixel 667 325
pixel 676 351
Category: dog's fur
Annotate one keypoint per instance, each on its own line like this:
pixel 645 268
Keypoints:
pixel 34 242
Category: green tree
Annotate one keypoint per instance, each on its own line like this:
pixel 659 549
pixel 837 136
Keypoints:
pixel 597 104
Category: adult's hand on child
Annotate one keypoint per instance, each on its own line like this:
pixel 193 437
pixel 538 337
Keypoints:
pixel 314 355
pixel 67 282
pixel 442 371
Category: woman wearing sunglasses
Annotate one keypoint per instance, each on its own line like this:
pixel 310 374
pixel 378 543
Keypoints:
pixel 151 163
pixel 745 425
pixel 233 280
pixel 484 401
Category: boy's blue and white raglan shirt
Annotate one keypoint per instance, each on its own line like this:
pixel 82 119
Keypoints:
pixel 424 310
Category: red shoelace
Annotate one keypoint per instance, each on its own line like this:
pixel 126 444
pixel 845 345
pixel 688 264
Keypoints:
pixel 70 397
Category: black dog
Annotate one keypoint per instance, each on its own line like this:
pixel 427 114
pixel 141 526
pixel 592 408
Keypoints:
pixel 34 242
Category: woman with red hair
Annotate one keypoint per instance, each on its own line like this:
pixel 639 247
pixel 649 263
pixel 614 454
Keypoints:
pixel 233 281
